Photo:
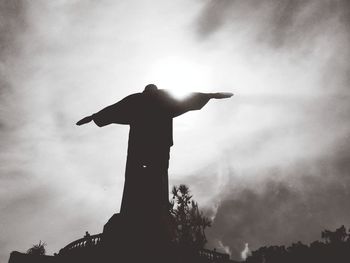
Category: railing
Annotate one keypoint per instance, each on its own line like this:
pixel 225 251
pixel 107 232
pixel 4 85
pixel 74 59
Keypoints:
pixel 94 241
pixel 213 256
pixel 86 242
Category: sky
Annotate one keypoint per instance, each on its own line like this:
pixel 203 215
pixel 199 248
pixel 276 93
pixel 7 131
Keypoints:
pixel 270 166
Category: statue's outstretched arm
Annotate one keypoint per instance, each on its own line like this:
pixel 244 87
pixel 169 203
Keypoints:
pixel 198 100
pixel 85 120
pixel 121 113
pixel 220 95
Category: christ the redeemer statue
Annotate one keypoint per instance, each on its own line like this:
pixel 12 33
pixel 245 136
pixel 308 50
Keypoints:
pixel 150 116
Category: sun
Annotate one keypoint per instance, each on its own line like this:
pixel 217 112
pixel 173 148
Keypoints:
pixel 180 76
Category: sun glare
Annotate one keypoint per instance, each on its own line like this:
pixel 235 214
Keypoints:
pixel 180 76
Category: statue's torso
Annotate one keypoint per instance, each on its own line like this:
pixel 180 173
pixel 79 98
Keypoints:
pixel 151 127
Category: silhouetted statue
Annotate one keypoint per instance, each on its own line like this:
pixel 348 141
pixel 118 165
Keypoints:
pixel 150 116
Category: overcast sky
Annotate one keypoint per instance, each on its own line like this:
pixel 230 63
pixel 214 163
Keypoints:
pixel 270 166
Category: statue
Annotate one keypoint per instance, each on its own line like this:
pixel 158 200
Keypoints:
pixel 150 116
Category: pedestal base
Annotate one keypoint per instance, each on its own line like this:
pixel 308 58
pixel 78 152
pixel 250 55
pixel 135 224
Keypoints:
pixel 135 239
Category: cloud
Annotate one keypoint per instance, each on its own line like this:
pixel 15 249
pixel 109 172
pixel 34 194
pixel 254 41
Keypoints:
pixel 12 24
pixel 285 23
pixel 245 252
pixel 278 207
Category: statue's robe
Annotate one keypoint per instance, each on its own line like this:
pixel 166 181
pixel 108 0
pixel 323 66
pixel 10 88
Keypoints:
pixel 150 116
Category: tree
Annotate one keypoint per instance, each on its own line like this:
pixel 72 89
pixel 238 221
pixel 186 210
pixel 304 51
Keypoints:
pixel 188 222
pixel 38 249
pixel 338 236
pixel 336 248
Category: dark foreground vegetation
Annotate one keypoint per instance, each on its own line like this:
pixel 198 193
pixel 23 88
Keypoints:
pixel 334 248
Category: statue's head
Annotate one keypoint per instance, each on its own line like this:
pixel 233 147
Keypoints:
pixel 150 88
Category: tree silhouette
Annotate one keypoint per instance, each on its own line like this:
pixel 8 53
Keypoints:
pixel 338 236
pixel 334 249
pixel 188 222
pixel 38 250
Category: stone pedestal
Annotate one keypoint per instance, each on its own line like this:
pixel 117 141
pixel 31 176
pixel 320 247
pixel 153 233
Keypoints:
pixel 136 239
